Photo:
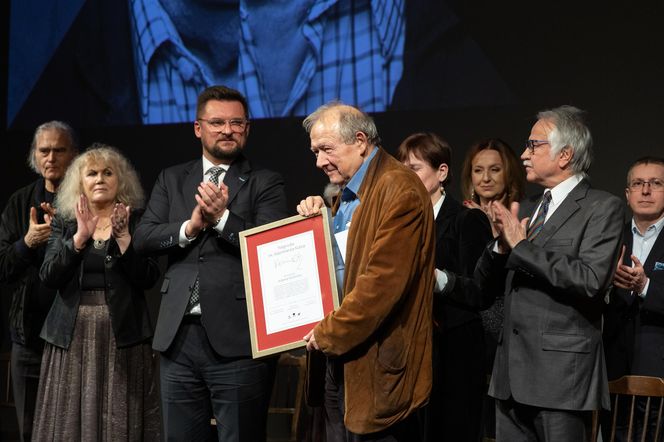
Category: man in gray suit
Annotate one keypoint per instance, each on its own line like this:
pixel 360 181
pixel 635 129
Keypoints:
pixel 194 217
pixel 554 257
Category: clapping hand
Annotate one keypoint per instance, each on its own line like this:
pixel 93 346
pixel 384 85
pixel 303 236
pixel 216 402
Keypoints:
pixel 86 223
pixel 212 200
pixel 120 226
pixel 507 225
pixel 49 212
pixel 120 220
pixel 37 233
pixel 486 208
pixel 631 278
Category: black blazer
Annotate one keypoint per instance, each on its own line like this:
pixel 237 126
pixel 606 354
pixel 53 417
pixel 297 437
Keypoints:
pixel 19 265
pixel 461 236
pixel 255 197
pixel 632 323
pixel 127 276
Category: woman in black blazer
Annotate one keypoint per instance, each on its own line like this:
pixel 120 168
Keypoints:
pixel 455 406
pixel 97 375
pixel 491 171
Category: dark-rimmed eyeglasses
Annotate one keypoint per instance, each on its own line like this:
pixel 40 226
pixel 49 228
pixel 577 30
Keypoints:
pixel 532 144
pixel 656 185
pixel 217 124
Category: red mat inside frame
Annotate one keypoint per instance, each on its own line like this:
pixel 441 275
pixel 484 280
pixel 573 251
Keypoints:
pixel 264 340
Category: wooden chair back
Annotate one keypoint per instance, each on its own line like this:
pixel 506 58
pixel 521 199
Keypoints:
pixel 632 389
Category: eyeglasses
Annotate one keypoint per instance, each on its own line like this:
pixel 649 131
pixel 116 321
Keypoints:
pixel 655 184
pixel 532 144
pixel 217 124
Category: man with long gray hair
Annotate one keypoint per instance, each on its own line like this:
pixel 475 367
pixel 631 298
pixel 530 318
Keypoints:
pixel 25 226
pixel 554 259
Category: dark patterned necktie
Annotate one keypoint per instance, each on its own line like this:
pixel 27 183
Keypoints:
pixel 537 225
pixel 215 172
pixel 195 298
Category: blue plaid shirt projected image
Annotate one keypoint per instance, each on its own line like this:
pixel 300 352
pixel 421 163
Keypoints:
pixel 287 57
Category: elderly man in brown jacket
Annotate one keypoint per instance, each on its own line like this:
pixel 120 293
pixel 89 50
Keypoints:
pixel 378 342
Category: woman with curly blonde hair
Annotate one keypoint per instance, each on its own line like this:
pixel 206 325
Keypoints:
pixel 97 375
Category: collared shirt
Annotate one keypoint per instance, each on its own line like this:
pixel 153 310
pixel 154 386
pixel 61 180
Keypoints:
pixel 558 195
pixel 183 240
pixel 354 54
pixel 169 76
pixel 349 203
pixel 438 205
pixel 441 276
pixel 642 244
pixel 347 50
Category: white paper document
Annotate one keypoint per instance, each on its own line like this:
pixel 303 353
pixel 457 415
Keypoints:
pixel 342 240
pixel 289 281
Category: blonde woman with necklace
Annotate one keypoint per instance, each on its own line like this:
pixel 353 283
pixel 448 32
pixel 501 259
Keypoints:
pixel 97 375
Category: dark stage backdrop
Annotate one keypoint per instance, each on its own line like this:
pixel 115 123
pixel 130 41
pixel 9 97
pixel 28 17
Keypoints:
pixel 606 59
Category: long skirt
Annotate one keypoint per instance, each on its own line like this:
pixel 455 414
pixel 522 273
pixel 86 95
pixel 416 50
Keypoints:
pixel 95 391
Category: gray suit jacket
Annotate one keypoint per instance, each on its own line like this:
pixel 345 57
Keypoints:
pixel 550 351
pixel 255 197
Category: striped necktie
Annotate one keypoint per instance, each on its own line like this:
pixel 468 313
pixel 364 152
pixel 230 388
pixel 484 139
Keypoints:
pixel 537 225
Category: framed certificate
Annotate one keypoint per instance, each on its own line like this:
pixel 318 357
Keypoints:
pixel 289 279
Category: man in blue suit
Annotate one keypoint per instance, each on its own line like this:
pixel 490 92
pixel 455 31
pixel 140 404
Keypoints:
pixel 194 217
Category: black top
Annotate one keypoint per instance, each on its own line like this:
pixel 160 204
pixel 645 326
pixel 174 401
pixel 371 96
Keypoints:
pixel 93 267
pixel 126 276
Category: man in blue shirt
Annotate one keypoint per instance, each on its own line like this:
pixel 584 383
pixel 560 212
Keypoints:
pixel 378 342
pixel 634 322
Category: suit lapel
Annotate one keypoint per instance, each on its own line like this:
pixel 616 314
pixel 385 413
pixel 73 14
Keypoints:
pixel 569 206
pixel 628 240
pixel 194 175
pixel 656 252
pixel 445 216
pixel 236 177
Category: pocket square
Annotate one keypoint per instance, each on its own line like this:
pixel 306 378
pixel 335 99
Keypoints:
pixel 659 266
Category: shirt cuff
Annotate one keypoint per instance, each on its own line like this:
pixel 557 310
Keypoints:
pixel 645 288
pixel 183 241
pixel 219 227
pixel 441 281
